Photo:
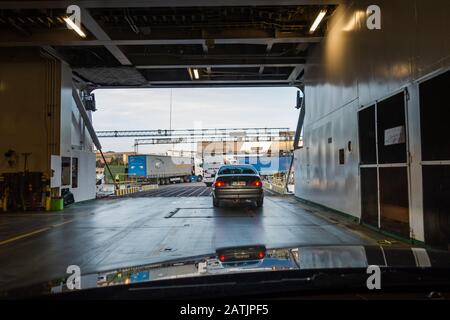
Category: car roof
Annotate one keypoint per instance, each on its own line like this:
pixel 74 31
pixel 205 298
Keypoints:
pixel 238 165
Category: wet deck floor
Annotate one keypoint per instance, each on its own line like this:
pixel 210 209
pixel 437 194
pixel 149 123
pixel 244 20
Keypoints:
pixel 104 234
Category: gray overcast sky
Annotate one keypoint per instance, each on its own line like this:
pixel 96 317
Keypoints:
pixel 134 109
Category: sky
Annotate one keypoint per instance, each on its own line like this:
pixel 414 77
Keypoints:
pixel 148 109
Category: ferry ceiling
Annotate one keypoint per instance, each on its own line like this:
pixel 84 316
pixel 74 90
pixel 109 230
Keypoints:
pixel 172 43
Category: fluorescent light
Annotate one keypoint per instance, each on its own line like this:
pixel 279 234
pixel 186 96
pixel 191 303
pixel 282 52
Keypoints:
pixel 74 27
pixel 319 18
pixel 196 76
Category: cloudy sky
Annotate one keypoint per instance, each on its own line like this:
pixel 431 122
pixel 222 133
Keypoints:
pixel 134 109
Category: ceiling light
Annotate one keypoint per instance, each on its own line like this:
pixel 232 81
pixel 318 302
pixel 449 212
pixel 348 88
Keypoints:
pixel 74 27
pixel 319 18
pixel 196 75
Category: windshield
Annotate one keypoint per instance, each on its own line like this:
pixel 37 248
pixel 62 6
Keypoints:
pixel 236 170
pixel 199 143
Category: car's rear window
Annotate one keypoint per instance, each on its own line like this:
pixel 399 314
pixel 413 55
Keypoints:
pixel 237 170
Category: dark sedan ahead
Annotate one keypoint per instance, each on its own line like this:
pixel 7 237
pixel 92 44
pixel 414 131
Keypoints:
pixel 237 183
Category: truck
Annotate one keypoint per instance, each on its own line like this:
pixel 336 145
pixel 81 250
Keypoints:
pixel 161 169
pixel 210 170
pixel 198 170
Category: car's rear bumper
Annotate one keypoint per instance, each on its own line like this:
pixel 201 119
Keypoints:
pixel 238 193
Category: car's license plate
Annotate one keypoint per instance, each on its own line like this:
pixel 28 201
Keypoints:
pixel 238 183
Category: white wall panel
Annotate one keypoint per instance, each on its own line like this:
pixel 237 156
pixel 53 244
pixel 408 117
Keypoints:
pixel 86 176
pixel 66 111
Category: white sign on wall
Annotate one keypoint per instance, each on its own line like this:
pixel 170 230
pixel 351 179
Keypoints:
pixel 394 135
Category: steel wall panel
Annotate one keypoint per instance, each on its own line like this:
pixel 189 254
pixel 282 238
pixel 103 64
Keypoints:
pixel 354 67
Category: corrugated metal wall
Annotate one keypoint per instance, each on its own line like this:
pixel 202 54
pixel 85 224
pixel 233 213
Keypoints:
pixel 29 121
pixel 38 116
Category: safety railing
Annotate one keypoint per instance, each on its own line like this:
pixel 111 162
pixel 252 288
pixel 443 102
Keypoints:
pixel 277 182
pixel 130 183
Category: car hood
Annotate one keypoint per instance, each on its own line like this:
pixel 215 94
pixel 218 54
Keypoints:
pixel 276 259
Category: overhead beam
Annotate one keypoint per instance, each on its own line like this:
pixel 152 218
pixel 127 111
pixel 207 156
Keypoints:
pixel 144 42
pixel 219 65
pixel 119 55
pixel 156 3
pixel 92 25
pixel 212 139
pixel 295 73
pixel 198 82
pixel 238 61
pixel 212 84
pixel 201 132
pixel 301 47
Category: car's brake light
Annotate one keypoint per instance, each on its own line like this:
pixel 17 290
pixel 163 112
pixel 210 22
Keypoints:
pixel 261 254
pixel 219 184
pixel 244 253
pixel 256 183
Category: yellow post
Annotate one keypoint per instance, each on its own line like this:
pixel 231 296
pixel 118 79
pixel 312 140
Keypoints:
pixel 48 199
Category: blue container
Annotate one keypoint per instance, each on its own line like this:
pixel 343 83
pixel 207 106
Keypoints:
pixel 267 165
pixel 137 165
